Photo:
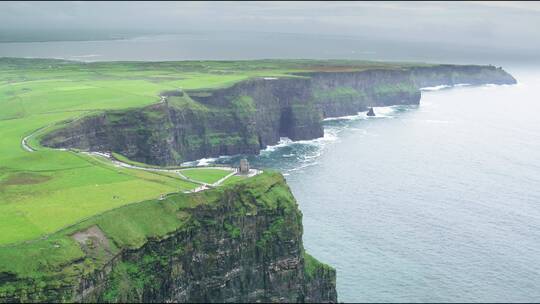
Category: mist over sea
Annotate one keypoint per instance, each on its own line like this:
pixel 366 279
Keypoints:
pixel 436 202
pixel 261 45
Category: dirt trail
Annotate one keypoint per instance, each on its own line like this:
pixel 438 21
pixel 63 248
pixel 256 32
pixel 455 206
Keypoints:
pixel 203 185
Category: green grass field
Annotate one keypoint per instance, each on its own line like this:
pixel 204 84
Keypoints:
pixel 44 191
pixel 128 226
pixel 234 179
pixel 205 175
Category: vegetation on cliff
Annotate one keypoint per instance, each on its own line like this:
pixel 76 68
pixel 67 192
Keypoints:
pixel 206 175
pixel 46 190
pixel 68 218
pixel 134 253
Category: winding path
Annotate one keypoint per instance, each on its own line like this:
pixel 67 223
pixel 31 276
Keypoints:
pixel 202 185
pixel 25 145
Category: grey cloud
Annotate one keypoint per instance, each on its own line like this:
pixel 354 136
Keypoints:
pixel 496 25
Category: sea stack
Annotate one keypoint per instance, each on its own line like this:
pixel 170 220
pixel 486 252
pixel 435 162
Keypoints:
pixel 370 112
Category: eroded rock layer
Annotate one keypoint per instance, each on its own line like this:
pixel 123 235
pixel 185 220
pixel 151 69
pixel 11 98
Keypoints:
pixel 252 114
pixel 242 243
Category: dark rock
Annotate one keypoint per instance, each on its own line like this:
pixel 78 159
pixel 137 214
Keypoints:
pixel 252 114
pixel 448 74
pixel 370 112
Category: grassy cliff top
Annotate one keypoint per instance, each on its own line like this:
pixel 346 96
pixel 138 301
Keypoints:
pixel 46 190
pixel 129 227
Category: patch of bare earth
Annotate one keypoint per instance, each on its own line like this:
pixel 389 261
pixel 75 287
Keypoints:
pixel 93 241
pixel 24 178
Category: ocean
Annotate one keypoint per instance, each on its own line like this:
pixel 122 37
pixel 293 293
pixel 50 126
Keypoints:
pixel 436 202
pixel 246 45
pixel 428 203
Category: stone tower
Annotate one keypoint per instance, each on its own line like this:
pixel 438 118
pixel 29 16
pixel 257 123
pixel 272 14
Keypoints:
pixel 244 166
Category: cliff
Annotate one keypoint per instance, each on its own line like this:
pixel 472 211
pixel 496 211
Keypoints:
pixel 250 115
pixel 241 243
pixel 447 74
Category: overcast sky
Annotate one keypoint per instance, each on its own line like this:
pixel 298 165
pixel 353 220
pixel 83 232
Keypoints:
pixel 508 26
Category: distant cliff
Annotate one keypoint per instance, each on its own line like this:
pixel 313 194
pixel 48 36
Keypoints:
pixel 255 113
pixel 241 243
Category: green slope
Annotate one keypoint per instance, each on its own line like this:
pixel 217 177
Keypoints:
pixel 46 190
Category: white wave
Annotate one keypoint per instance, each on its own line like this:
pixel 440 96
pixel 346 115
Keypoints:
pixel 462 84
pixel 435 88
pixel 489 86
pixel 283 141
pixel 189 163
pixel 204 161
pixel 384 112
pixel 360 115
pixel 330 134
pixel 379 112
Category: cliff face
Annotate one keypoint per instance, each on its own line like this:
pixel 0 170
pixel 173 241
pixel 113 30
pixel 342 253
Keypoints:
pixel 253 114
pixel 282 107
pixel 162 134
pixel 347 93
pixel 450 75
pixel 241 119
pixel 238 244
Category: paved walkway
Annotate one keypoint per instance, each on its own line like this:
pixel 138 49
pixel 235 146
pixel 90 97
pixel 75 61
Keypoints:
pixel 25 145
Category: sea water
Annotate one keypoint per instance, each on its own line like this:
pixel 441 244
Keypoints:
pixel 436 202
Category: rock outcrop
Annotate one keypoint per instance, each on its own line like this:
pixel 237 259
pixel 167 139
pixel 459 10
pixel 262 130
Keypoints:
pixel 370 112
pixel 252 114
pixel 242 243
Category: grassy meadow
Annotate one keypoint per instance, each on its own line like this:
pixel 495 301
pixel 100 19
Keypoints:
pixel 47 190
pixel 205 175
